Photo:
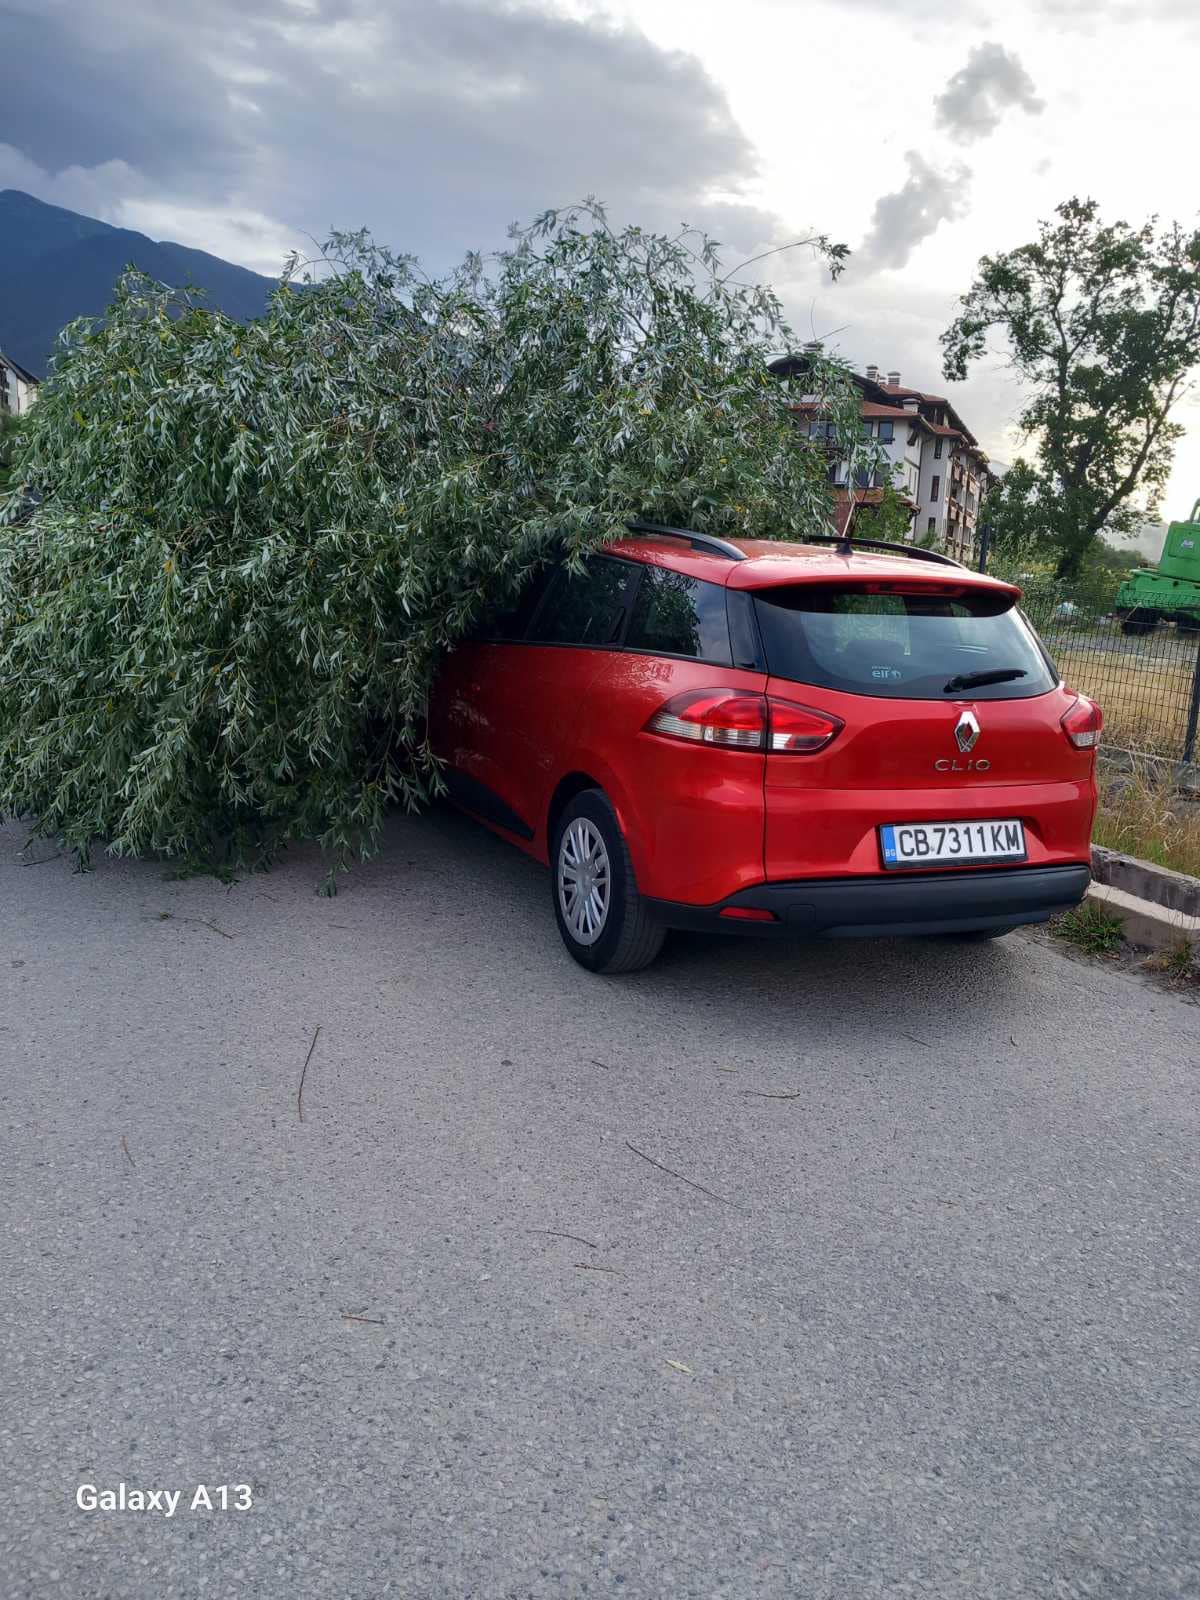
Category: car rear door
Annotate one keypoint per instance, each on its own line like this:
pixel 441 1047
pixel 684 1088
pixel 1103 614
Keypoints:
pixel 924 740
pixel 508 704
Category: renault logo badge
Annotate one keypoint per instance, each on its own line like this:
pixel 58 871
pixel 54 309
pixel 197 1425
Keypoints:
pixel 966 732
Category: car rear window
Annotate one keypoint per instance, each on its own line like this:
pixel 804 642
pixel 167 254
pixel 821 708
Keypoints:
pixel 905 646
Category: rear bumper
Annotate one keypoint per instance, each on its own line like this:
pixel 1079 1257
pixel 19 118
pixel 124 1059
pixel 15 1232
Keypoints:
pixel 891 906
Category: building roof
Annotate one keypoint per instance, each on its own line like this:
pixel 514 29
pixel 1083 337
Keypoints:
pixel 870 409
pixel 959 426
pixel 917 394
pixel 875 403
pixel 25 376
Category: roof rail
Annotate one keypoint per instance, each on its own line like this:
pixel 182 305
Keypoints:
pixel 847 546
pixel 698 541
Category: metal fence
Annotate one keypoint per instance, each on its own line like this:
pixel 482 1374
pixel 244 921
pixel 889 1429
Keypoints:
pixel 1147 685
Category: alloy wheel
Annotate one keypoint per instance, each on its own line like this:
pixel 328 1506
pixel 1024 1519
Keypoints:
pixel 584 881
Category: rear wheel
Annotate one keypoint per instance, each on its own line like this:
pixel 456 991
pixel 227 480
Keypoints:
pixel 601 916
pixel 1139 621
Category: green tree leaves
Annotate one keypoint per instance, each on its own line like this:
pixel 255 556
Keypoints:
pixel 218 631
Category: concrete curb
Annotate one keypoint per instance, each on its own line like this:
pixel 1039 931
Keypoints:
pixel 1159 909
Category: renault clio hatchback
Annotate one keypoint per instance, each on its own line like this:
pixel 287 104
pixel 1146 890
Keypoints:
pixel 777 739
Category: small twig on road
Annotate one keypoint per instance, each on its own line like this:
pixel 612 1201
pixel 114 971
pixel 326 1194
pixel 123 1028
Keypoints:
pixel 598 1063
pixel 215 929
pixel 349 1316
pixel 764 1094
pixel 587 1266
pixel 42 860
pixel 679 1175
pixel 303 1075
pixel 559 1234
pixel 128 1157
pixel 927 1043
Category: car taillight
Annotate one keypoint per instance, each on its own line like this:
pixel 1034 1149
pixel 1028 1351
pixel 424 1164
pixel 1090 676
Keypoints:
pixel 736 719
pixel 1083 722
pixel 799 730
pixel 733 718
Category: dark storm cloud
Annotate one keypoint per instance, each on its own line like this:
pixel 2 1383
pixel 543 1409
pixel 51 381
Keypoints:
pixel 105 83
pixel 433 124
pixel 908 215
pixel 978 95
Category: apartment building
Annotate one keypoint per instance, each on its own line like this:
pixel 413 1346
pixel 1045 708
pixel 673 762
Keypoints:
pixel 934 462
pixel 18 388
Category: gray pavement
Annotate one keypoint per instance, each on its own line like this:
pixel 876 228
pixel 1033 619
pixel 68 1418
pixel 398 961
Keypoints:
pixel 929 1327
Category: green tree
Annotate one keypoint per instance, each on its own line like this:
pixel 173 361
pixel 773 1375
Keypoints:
pixel 1102 324
pixel 891 519
pixel 219 629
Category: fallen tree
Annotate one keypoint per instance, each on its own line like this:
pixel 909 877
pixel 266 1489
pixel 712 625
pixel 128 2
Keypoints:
pixel 219 628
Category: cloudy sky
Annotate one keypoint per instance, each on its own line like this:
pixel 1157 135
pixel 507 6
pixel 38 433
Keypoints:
pixel 921 135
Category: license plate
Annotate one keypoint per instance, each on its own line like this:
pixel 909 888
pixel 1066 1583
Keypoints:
pixel 925 844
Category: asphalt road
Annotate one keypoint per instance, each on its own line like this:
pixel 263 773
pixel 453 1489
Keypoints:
pixel 917 1316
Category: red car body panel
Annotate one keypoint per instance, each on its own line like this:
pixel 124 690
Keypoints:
pixel 703 823
pixel 694 827
pixel 505 715
pixel 823 811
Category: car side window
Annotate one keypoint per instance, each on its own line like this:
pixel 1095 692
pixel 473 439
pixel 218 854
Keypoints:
pixel 585 607
pixel 508 619
pixel 681 616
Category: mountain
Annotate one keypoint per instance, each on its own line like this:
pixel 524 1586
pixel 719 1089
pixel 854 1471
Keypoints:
pixel 57 265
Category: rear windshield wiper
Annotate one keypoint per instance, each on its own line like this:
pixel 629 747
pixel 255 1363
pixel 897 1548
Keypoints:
pixel 976 680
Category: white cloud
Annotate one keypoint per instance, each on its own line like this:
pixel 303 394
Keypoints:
pixel 245 236
pixel 977 96
pixel 904 218
pixel 99 191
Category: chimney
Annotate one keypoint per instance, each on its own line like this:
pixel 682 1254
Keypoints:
pixel 873 373
pixel 894 379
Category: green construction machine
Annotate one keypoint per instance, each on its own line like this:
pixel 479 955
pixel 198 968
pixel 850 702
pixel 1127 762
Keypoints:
pixel 1169 592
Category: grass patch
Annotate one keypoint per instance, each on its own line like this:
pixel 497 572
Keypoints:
pixel 1095 931
pixel 1178 962
pixel 1143 814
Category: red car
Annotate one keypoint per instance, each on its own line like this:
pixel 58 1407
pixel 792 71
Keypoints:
pixel 770 738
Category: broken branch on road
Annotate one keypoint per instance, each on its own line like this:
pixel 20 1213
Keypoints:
pixel 672 1174
pixel 304 1074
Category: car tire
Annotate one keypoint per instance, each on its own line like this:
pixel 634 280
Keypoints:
pixel 603 920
